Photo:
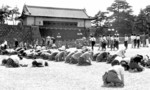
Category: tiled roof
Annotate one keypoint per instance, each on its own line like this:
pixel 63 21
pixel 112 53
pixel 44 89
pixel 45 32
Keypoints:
pixel 55 12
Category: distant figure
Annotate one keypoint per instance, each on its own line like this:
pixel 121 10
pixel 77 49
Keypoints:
pixel 126 39
pixel 132 42
pixel 43 41
pixel 138 41
pixel 16 43
pixel 104 43
pixel 5 44
pixel 112 42
pixel 93 40
pixel 147 40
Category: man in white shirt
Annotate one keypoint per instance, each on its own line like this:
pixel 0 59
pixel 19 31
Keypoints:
pixel 115 75
pixel 132 42
pixel 138 41
pixel 93 40
pixel 126 41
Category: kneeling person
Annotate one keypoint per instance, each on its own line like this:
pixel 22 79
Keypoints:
pixel 115 75
pixel 85 58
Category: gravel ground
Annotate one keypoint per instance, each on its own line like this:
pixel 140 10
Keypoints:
pixel 62 76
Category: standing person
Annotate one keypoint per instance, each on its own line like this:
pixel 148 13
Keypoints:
pixel 117 42
pixel 108 41
pixel 138 41
pixel 100 42
pixel 25 46
pixel 132 42
pixel 104 43
pixel 43 41
pixel 147 40
pixel 93 40
pixel 126 41
pixel 111 42
pixel 48 41
pixel 144 40
pixel 16 43
pixel 5 44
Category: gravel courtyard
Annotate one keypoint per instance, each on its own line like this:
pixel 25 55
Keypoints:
pixel 62 76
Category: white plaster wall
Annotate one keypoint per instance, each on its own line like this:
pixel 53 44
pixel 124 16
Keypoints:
pixel 39 21
pixel 30 20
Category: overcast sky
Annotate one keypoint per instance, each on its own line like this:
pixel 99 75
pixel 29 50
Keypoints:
pixel 91 6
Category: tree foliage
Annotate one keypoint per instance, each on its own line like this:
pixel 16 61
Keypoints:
pixel 142 21
pixel 99 22
pixel 8 14
pixel 121 18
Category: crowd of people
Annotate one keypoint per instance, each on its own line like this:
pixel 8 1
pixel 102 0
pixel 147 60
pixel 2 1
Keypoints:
pixel 40 55
pixel 113 41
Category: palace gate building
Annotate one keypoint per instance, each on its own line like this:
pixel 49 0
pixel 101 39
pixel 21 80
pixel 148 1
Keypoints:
pixel 50 21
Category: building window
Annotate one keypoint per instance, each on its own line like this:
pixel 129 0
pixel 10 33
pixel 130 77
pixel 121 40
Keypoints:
pixel 61 24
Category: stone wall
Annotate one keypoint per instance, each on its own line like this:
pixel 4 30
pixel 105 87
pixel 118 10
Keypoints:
pixel 10 32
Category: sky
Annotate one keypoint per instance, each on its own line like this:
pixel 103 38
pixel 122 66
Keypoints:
pixel 91 6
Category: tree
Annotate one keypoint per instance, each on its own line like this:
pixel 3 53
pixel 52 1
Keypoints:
pixel 140 24
pixel 121 18
pixel 4 14
pixel 99 22
pixel 142 21
pixel 14 14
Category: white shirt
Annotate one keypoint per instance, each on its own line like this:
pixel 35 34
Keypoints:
pixel 119 70
pixel 5 42
pixel 133 37
pixel 112 38
pixel 126 38
pixel 92 39
pixel 117 38
pixel 127 59
pixel 38 48
pixel 119 58
pixel 138 37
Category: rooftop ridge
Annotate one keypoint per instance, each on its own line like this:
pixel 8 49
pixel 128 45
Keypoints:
pixel 54 8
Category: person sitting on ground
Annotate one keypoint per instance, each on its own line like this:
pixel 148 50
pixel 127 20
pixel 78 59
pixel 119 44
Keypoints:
pixel 146 61
pixel 102 57
pixel 75 57
pixel 53 55
pixel 12 61
pixel 95 56
pixel 39 63
pixel 120 53
pixel 135 63
pixel 61 55
pixel 114 76
pixel 125 63
pixel 85 58
pixel 68 57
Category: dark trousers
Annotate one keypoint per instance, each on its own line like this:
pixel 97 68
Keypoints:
pixel 126 44
pixel 138 43
pixel 135 42
pixel 93 43
pixel 117 45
